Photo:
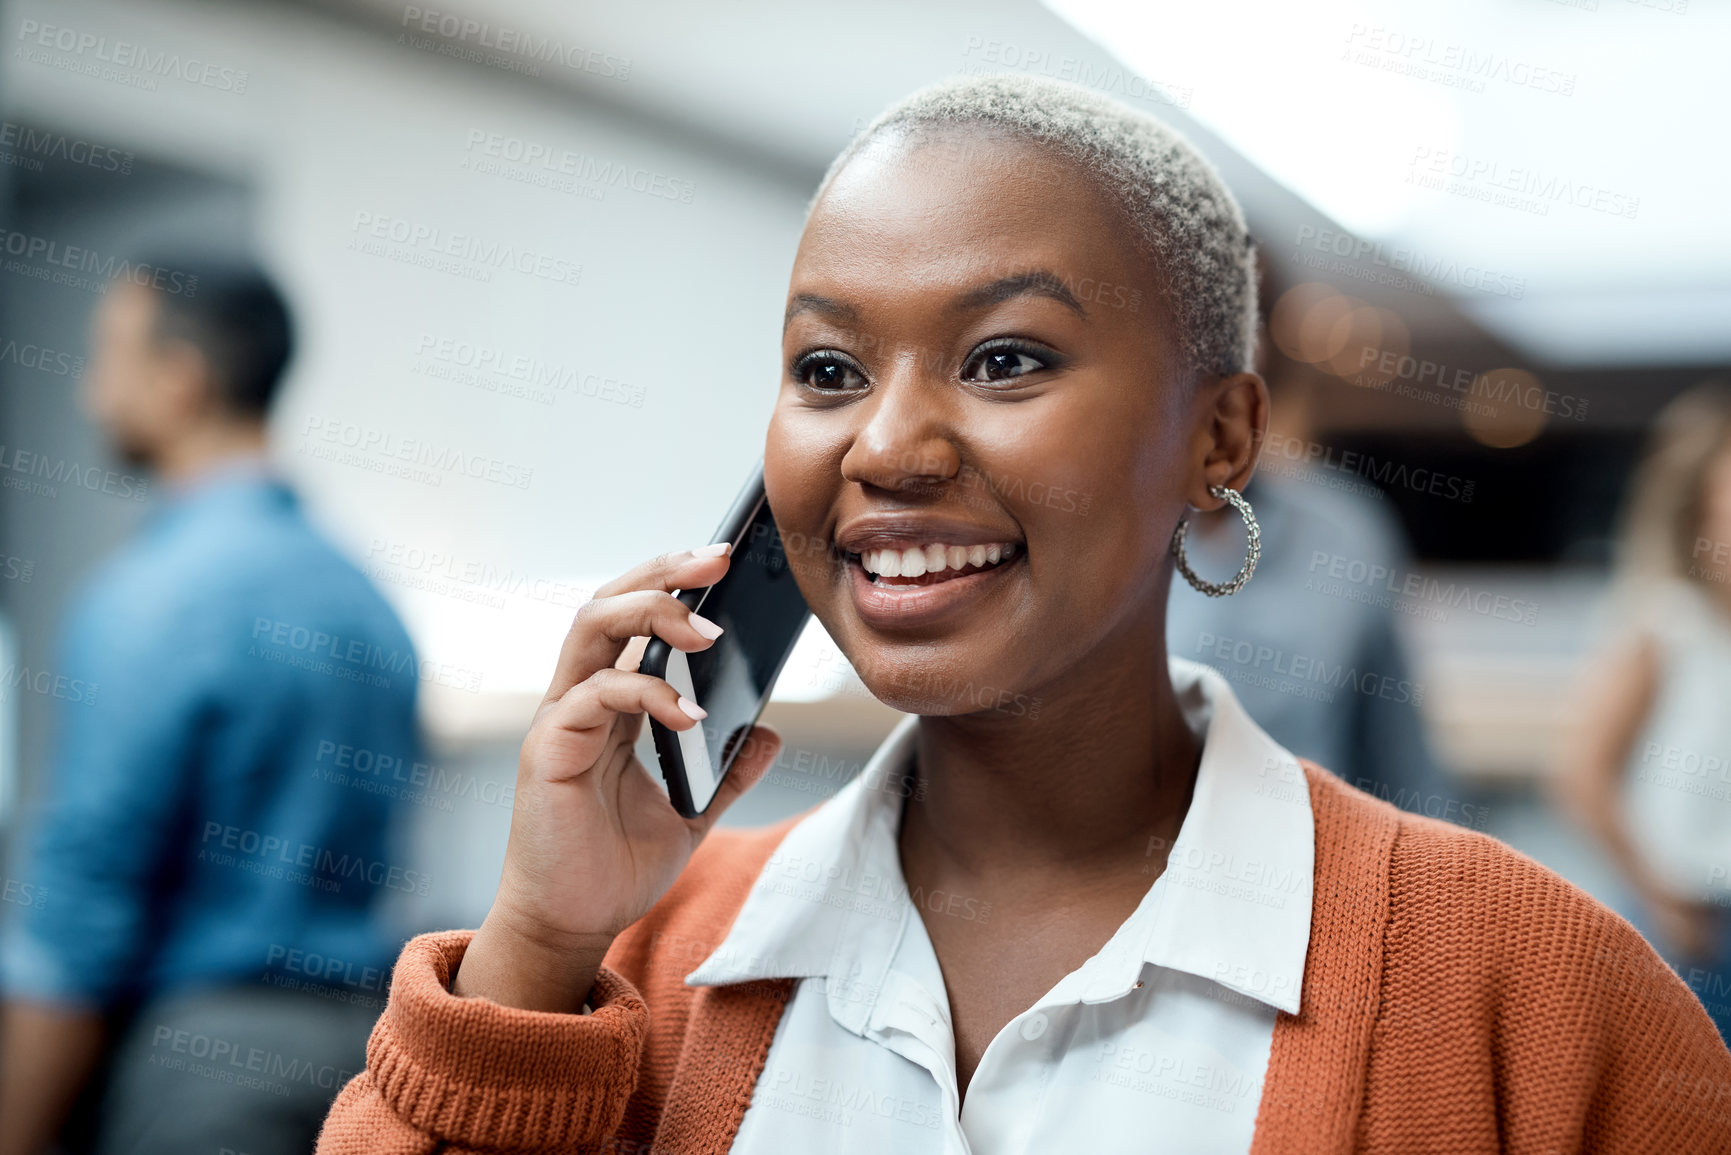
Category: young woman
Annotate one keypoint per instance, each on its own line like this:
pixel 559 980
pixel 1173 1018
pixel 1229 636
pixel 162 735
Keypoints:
pixel 1649 767
pixel 1079 900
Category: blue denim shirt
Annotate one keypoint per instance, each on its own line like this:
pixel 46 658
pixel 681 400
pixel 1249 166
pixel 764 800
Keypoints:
pixel 195 829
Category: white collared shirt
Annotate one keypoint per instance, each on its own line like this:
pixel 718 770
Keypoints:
pixel 1158 1043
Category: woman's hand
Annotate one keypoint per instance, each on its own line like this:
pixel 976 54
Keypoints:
pixel 594 840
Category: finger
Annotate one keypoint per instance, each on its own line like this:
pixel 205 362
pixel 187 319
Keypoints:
pixel 632 656
pixel 755 757
pixel 683 569
pixel 588 710
pixel 605 625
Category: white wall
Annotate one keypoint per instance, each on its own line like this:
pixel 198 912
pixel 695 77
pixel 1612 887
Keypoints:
pixel 678 302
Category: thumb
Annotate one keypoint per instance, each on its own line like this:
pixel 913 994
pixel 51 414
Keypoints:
pixel 755 756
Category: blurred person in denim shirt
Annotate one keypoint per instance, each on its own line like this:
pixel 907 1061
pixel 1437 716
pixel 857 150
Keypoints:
pixel 207 956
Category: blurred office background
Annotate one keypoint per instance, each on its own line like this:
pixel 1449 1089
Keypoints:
pixel 571 264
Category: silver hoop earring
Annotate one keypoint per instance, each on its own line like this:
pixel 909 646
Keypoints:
pixel 1251 529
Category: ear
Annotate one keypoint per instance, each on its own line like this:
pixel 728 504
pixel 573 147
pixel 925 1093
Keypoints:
pixel 1232 420
pixel 183 379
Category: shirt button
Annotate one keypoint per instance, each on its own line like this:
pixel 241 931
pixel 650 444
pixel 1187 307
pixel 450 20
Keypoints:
pixel 1033 1026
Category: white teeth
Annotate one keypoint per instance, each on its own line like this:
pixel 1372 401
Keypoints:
pixel 934 558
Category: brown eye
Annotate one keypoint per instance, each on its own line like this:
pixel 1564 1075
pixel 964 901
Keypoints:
pixel 1003 362
pixel 829 372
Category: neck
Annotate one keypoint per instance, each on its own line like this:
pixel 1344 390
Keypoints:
pixel 1080 785
pixel 203 448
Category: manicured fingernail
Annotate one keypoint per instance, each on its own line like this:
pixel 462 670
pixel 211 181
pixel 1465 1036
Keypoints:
pixel 715 550
pixel 705 627
pixel 692 708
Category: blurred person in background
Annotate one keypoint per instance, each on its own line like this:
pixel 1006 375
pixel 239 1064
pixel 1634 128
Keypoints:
pixel 1328 676
pixel 188 847
pixel 1650 755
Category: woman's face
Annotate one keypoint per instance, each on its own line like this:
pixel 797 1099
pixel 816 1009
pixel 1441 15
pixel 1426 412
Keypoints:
pixel 976 364
pixel 1715 506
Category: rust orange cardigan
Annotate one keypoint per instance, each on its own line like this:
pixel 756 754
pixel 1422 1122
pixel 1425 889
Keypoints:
pixel 1458 998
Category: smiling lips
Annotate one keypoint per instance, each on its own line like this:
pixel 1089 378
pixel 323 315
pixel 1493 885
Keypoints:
pixel 931 564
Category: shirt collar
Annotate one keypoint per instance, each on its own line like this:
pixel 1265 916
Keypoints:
pixel 1233 905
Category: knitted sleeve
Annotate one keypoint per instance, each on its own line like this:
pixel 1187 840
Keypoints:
pixel 1518 1014
pixel 454 1074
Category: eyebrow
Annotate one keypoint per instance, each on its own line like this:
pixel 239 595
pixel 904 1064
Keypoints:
pixel 1035 282
pixel 813 303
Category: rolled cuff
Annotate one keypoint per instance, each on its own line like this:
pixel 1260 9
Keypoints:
pixel 476 1073
pixel 33 971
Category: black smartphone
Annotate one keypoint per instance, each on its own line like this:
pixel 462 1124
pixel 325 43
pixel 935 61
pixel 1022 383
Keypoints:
pixel 763 613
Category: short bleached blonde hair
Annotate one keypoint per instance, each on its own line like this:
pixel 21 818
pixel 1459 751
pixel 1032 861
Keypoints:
pixel 1184 218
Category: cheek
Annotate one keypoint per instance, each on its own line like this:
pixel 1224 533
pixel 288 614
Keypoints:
pixel 1717 507
pixel 1716 524
pixel 801 474
pixel 1081 476
pixel 785 467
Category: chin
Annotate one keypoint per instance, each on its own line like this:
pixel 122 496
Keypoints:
pixel 133 451
pixel 918 685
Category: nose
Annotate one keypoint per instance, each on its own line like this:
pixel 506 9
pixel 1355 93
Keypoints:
pixel 906 440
